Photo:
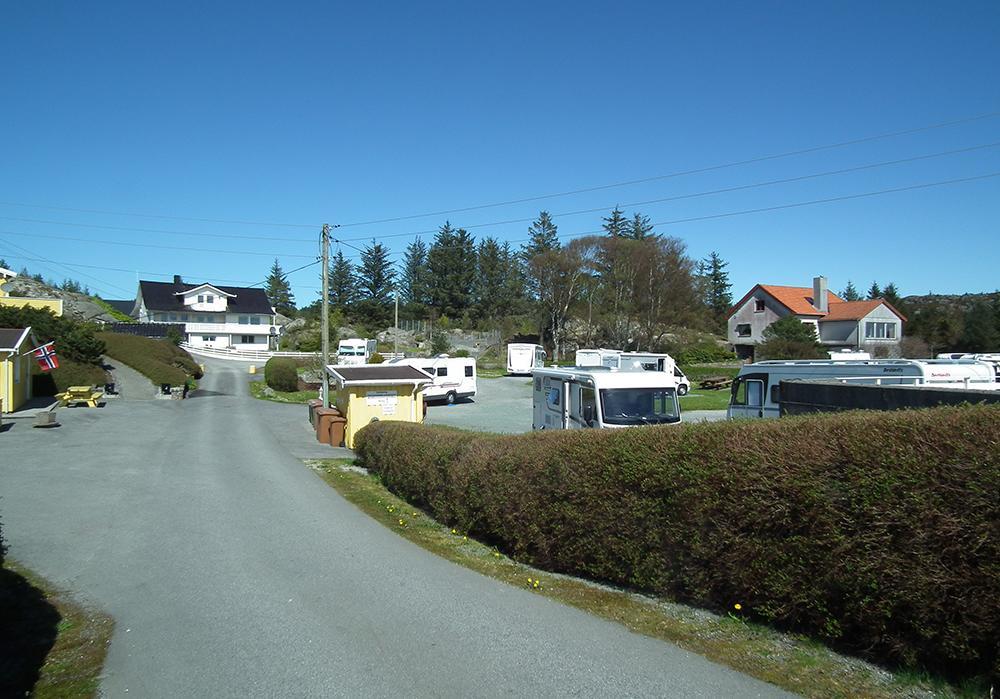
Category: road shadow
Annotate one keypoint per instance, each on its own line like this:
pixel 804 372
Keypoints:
pixel 6 426
pixel 204 392
pixel 28 628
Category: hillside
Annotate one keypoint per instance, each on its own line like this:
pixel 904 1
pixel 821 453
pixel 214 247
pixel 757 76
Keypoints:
pixel 76 306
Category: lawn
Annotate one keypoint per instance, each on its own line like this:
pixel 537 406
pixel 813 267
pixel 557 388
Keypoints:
pixel 259 389
pixel 705 400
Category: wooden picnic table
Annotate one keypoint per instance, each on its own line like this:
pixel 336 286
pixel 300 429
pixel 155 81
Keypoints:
pixel 80 394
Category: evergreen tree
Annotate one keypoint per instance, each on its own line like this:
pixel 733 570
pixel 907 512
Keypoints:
pixel 980 333
pixel 544 236
pixel 875 292
pixel 715 286
pixel 343 288
pixel 451 261
pixel 790 338
pixel 491 273
pixel 850 292
pixel 891 294
pixel 514 281
pixel 616 224
pixel 640 228
pixel 3 263
pixel 414 280
pixel 376 277
pixel 278 290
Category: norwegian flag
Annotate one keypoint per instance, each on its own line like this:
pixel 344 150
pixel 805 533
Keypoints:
pixel 46 356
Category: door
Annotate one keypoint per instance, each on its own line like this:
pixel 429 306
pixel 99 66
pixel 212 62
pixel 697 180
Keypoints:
pixel 747 399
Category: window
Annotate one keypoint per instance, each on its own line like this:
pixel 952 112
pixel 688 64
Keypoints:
pixel 172 316
pixel 588 403
pixel 184 317
pixel 639 406
pixel 209 298
pixel 552 397
pixel 743 330
pixel 749 392
pixel 538 383
pixel 244 320
pixel 254 320
pixel 201 298
pixel 208 338
pixel 468 370
pixel 442 371
pixel 429 370
pixel 758 305
pixel 247 339
pixel 776 394
pixel 875 330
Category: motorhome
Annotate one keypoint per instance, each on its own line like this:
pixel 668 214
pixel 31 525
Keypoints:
pixel 568 398
pixel 523 357
pixel 992 358
pixel 355 351
pixel 647 361
pixel 756 392
pixel 454 377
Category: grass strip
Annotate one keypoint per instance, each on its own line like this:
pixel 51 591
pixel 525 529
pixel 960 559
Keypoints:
pixel 259 389
pixel 50 646
pixel 793 662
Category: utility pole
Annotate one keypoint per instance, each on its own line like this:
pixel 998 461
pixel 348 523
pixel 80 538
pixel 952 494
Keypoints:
pixel 325 319
pixel 395 337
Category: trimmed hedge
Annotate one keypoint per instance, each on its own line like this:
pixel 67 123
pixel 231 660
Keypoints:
pixel 158 360
pixel 877 532
pixel 281 374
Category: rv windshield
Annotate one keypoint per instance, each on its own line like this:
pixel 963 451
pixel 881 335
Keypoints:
pixel 639 406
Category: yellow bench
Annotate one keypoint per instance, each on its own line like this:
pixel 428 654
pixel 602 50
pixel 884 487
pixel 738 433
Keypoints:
pixel 80 394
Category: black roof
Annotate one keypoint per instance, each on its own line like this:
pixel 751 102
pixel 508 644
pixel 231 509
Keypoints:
pixel 9 337
pixel 380 372
pixel 160 296
pixel 125 307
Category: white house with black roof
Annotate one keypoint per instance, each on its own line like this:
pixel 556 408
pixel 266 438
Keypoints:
pixel 213 316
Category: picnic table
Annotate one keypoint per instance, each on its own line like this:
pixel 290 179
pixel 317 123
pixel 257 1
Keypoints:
pixel 715 383
pixel 80 394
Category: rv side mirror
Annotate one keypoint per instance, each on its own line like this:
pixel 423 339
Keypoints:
pixel 588 414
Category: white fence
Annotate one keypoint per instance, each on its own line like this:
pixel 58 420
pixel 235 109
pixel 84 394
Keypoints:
pixel 263 355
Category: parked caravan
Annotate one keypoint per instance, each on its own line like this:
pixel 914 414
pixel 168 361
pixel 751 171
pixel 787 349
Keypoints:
pixel 523 357
pixel 581 397
pixel 992 359
pixel 848 354
pixel 454 377
pixel 355 351
pixel 647 361
pixel 756 394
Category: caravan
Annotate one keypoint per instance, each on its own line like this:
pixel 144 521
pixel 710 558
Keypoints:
pixel 756 391
pixel 523 358
pixel 454 377
pixel 355 351
pixel 582 397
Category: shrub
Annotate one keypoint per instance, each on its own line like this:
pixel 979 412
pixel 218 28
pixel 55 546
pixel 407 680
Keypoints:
pixel 440 344
pixel 69 373
pixel 280 373
pixel 376 358
pixel 158 360
pixel 704 353
pixel 462 353
pixel 74 340
pixel 873 531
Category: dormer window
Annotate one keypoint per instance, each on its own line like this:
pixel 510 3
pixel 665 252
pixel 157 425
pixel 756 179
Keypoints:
pixel 758 305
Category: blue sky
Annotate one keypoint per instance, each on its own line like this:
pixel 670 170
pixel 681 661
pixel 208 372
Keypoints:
pixel 307 113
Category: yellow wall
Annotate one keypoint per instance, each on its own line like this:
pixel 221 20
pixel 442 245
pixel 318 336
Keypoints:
pixel 55 305
pixel 15 381
pixel 359 404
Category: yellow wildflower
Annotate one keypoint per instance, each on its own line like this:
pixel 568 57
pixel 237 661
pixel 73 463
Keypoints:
pixel 737 606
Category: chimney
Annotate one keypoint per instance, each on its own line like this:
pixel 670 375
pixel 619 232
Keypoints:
pixel 820 300
pixel 177 280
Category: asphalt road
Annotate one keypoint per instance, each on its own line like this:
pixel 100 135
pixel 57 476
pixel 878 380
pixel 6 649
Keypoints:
pixel 232 570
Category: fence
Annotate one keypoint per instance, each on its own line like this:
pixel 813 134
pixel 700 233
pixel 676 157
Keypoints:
pixel 156 330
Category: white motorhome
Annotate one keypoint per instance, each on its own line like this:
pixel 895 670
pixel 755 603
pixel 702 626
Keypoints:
pixel 647 361
pixel 523 357
pixel 593 357
pixel 992 358
pixel 755 392
pixel 355 351
pixel 580 397
pixel 454 377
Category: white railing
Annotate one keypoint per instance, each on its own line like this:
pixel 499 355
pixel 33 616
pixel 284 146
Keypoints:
pixel 242 354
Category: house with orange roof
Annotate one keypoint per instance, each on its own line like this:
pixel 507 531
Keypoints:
pixel 872 325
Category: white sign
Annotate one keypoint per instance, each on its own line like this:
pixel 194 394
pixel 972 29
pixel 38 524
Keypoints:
pixel 387 400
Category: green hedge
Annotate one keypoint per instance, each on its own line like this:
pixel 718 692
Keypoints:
pixel 281 374
pixel 158 360
pixel 876 532
pixel 69 373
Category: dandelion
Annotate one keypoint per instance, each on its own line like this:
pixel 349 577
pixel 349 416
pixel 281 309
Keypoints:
pixel 737 606
pixel 465 538
pixel 536 585
pixel 454 531
pixel 496 554
pixel 402 523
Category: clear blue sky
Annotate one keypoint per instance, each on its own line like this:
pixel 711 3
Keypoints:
pixel 311 112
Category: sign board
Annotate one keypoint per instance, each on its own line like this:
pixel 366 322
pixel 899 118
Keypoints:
pixel 387 400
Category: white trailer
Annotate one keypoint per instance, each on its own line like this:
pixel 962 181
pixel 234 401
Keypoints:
pixel 992 358
pixel 756 391
pixel 581 397
pixel 523 357
pixel 645 361
pixel 454 377
pixel 355 351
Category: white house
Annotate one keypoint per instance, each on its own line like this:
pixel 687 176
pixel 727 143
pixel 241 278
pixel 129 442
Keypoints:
pixel 872 325
pixel 212 315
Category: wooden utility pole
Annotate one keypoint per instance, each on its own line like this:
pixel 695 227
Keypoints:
pixel 395 337
pixel 325 319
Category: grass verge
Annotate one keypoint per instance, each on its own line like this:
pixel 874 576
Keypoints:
pixel 705 400
pixel 50 646
pixel 793 662
pixel 259 389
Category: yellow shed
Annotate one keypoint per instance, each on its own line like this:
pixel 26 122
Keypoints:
pixel 15 370
pixel 370 392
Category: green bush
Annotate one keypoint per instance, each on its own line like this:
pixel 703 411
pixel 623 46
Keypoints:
pixel 158 360
pixel 74 340
pixel 69 373
pixel 281 374
pixel 461 353
pixel 876 532
pixel 376 358
pixel 440 344
pixel 704 353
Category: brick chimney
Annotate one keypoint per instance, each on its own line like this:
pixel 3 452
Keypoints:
pixel 820 300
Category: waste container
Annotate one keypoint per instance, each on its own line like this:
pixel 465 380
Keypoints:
pixel 324 416
pixel 313 404
pixel 338 426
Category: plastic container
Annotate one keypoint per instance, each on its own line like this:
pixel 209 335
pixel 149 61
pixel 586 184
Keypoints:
pixel 338 427
pixel 324 416
pixel 313 404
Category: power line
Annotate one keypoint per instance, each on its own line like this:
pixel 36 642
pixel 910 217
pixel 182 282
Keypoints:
pixel 103 283
pixel 150 245
pixel 77 224
pixel 166 217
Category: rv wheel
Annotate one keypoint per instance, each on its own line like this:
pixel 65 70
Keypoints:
pixel 682 390
pixel 451 398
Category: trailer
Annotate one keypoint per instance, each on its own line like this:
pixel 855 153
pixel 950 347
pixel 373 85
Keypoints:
pixel 756 392
pixel 454 377
pixel 642 361
pixel 599 397
pixel 992 358
pixel 354 351
pixel 523 357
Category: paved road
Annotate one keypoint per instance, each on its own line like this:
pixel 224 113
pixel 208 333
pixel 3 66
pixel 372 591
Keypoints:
pixel 233 570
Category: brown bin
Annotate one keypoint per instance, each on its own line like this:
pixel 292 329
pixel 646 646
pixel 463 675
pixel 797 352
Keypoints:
pixel 313 404
pixel 323 418
pixel 338 426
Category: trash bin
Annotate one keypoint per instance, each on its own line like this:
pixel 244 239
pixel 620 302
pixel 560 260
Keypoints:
pixel 313 404
pixel 324 416
pixel 338 426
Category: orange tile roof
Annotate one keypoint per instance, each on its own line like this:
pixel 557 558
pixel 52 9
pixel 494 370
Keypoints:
pixel 856 310
pixel 798 300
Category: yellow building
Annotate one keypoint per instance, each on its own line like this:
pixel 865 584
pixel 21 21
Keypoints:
pixel 370 392
pixel 15 370
pixel 54 305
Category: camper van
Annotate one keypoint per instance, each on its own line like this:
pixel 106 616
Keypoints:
pixel 755 392
pixel 993 359
pixel 355 351
pixel 522 357
pixel 580 397
pixel 454 377
pixel 647 361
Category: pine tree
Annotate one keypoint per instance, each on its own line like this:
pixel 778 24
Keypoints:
pixel 452 264
pixel 343 288
pixel 3 263
pixel 544 236
pixel 615 225
pixel 376 277
pixel 891 294
pixel 489 283
pixel 717 290
pixel 980 333
pixel 640 228
pixel 278 290
pixel 875 292
pixel 414 280
pixel 850 292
